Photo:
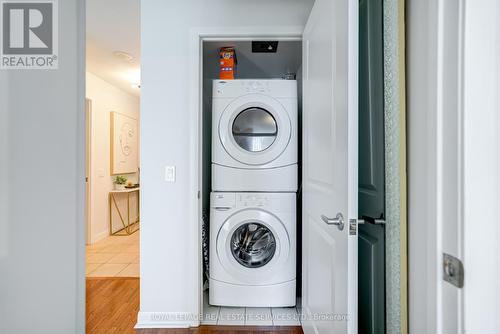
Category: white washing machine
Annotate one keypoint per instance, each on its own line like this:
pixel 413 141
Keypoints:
pixel 252 249
pixel 254 135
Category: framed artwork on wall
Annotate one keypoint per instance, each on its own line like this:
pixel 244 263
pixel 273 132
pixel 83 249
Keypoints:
pixel 124 144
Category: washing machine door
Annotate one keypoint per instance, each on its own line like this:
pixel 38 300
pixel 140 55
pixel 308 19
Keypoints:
pixel 253 246
pixel 255 129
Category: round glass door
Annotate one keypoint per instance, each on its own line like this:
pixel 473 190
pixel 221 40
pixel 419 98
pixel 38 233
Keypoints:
pixel 254 129
pixel 253 245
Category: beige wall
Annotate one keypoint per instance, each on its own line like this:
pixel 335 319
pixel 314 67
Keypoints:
pixel 105 99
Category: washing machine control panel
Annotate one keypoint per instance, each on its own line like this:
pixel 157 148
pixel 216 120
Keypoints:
pixel 252 200
pixel 223 201
pixel 228 201
pixel 256 86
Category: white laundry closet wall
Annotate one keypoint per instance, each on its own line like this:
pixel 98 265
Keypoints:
pixel 169 265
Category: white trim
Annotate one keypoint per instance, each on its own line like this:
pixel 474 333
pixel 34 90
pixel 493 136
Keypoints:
pixel 438 102
pixel 481 162
pixel 279 33
pixel 99 236
pixel 423 175
pixel 166 320
pixel 352 162
pixel 88 170
pixel 460 158
pixel 197 36
pixel 80 317
pixel 434 306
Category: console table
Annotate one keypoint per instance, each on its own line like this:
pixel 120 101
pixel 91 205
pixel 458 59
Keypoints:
pixel 129 227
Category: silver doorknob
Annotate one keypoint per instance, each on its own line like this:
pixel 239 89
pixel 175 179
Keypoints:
pixel 338 220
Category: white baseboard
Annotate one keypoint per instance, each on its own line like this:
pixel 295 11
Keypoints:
pixel 166 320
pixel 99 236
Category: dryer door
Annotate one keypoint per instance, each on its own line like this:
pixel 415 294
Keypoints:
pixel 255 129
pixel 253 246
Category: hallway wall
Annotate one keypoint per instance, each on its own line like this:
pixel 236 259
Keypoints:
pixel 105 99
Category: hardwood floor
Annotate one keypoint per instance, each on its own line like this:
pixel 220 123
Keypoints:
pixel 112 306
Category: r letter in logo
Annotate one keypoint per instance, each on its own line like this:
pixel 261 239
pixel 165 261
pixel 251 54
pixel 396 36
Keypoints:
pixel 29 34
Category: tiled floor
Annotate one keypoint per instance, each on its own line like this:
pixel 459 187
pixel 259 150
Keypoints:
pixel 115 256
pixel 250 316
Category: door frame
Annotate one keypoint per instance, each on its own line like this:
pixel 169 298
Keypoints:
pixel 88 171
pixel 197 37
pixel 210 34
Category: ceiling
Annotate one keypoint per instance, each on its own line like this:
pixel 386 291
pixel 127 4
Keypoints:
pixel 114 25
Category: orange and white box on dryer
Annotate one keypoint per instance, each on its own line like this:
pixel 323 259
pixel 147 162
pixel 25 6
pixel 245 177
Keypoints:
pixel 227 61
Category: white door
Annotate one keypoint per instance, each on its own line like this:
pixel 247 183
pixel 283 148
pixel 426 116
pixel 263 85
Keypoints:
pixel 330 168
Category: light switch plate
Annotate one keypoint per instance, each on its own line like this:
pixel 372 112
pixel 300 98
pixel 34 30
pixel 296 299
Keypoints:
pixel 170 173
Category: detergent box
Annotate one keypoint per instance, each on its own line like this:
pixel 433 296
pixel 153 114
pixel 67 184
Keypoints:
pixel 227 61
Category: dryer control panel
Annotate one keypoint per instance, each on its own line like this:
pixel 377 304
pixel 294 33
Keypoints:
pixel 272 87
pixel 246 86
pixel 256 86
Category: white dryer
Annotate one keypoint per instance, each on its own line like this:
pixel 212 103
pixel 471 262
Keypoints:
pixel 254 135
pixel 252 249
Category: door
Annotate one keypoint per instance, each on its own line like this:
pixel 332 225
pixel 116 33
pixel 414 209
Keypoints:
pixel 371 242
pixel 330 168
pixel 371 110
pixel 371 284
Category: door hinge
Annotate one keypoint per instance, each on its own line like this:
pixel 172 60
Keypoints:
pixel 453 270
pixel 199 194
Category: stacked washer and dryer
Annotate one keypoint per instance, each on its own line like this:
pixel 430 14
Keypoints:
pixel 253 199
